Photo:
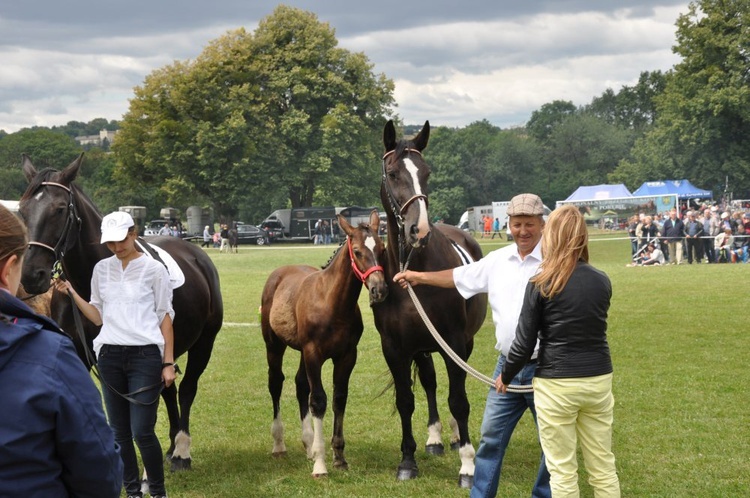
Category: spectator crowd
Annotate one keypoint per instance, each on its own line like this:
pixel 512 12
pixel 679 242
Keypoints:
pixel 707 234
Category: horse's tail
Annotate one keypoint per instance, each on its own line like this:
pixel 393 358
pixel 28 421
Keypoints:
pixel 390 386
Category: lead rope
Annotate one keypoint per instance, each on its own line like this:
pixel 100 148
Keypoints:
pixel 519 389
pixel 397 213
pixel 512 388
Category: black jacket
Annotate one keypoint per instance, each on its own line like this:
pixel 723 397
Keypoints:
pixel 571 327
pixel 674 230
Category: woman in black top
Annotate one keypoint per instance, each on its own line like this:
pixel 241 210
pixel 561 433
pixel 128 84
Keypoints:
pixel 565 307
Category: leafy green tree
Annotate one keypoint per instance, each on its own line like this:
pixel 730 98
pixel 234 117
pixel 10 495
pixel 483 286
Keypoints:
pixel 283 111
pixel 459 159
pixel 46 149
pixel 515 165
pixel 704 113
pixel 544 120
pixel 581 149
pixel 632 107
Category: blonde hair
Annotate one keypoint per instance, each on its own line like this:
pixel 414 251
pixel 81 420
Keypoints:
pixel 564 243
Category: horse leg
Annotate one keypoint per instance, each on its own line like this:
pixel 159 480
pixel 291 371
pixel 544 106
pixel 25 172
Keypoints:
pixel 458 403
pixel 169 395
pixel 318 404
pixel 427 377
pixel 399 368
pixel 303 400
pixel 342 371
pixel 197 360
pixel 275 357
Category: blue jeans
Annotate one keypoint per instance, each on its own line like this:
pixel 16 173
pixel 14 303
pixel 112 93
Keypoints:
pixel 127 369
pixel 501 415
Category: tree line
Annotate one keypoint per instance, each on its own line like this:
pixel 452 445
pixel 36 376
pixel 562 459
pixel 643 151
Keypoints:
pixel 283 117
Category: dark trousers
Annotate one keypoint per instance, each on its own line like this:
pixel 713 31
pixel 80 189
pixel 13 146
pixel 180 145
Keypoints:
pixel 708 249
pixel 127 369
pixel 694 248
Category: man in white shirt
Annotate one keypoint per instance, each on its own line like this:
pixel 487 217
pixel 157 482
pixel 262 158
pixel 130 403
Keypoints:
pixel 503 274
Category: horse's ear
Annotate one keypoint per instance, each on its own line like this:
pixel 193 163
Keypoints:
pixel 71 170
pixel 29 171
pixel 389 136
pixel 420 141
pixel 374 220
pixel 345 226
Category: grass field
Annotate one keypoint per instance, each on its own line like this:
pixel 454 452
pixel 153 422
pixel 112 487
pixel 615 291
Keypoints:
pixel 679 345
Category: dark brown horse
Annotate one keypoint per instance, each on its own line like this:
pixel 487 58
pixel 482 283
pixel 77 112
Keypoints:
pixel 405 338
pixel 64 225
pixel 316 312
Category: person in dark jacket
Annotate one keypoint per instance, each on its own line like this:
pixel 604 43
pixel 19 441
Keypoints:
pixel 674 231
pixel 54 439
pixel 565 308
pixel 693 234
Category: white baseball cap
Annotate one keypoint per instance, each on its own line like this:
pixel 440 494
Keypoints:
pixel 115 226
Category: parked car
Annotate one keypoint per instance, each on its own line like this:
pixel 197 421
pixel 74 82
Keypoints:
pixel 250 234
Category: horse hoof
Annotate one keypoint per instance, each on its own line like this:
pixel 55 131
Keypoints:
pixel 455 445
pixel 341 465
pixel 278 454
pixel 465 481
pixel 407 474
pixel 435 449
pixel 320 476
pixel 179 464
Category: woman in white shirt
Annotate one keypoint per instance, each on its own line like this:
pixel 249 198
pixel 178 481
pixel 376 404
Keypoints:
pixel 131 298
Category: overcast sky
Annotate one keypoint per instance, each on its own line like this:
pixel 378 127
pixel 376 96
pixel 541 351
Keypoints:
pixel 453 62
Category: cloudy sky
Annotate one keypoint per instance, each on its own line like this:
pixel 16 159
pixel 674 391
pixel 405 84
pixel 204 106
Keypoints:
pixel 453 62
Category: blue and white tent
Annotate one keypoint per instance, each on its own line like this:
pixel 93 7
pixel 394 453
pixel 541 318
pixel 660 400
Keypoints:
pixel 598 192
pixel 683 188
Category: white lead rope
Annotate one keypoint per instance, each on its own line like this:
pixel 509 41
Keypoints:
pixel 520 389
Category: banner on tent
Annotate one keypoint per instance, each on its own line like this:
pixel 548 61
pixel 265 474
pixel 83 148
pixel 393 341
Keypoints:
pixel 620 209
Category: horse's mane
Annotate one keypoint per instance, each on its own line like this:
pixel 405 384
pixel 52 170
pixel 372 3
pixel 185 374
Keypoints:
pixel 335 252
pixel 36 182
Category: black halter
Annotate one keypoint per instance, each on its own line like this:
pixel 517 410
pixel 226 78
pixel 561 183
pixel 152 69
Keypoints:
pixel 397 209
pixel 68 236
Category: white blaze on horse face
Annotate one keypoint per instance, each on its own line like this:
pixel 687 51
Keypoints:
pixel 422 222
pixel 370 243
pixel 39 195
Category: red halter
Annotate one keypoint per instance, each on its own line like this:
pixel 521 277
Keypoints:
pixel 357 272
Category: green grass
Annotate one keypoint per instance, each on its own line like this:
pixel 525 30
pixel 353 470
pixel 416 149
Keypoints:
pixel 679 343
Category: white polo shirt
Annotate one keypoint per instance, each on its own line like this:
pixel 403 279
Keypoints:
pixel 503 275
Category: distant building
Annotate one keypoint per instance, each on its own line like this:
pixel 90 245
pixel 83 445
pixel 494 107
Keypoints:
pixel 97 140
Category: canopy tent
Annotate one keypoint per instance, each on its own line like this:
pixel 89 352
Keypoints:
pixel 596 192
pixel 683 188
